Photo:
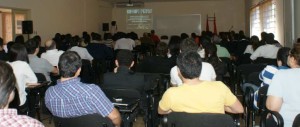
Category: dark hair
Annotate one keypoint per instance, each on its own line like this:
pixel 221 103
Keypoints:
pixel 189 64
pixel 282 55
pixel 174 45
pixel 254 42
pixel 7 83
pixel 69 63
pixel 298 40
pixel 96 36
pixel 37 38
pixel 75 41
pixel 19 39
pixel 124 57
pixel 162 49
pixel 9 44
pixel 211 55
pixel 18 52
pixel 184 36
pixel 188 45
pixel 295 52
pixel 32 45
pixel 1 42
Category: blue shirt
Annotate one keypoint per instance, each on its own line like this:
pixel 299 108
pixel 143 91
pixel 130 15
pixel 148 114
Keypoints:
pixel 73 98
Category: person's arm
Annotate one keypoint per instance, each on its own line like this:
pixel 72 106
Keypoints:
pixel 274 103
pixel 255 54
pixel 54 70
pixel 162 112
pixel 164 106
pixel 29 74
pixel 115 117
pixel 236 107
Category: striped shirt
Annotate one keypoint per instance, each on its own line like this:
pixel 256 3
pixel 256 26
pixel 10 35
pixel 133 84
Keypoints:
pixel 72 98
pixel 10 118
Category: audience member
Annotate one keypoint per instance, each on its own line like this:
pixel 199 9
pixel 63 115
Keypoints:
pixel 124 42
pixel 284 92
pixel 269 50
pixel 20 39
pixel 38 65
pixel 86 39
pixel 174 48
pixel 3 55
pixel 159 63
pixel 254 44
pixel 197 96
pixel 123 76
pixel 18 60
pixel 146 39
pixel 221 51
pixel 82 52
pixel 184 36
pixel 51 54
pixel 97 50
pixel 8 116
pixel 154 37
pixel 85 98
pixel 207 72
pixel 269 71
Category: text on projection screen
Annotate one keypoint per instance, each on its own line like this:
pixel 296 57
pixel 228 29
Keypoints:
pixel 139 19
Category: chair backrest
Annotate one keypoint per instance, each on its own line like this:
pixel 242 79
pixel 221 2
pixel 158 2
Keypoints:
pixel 91 120
pixel 182 119
pixel 262 97
pixel 296 122
pixel 276 115
pixel 41 77
pixel 121 93
pixel 249 97
pixel 244 70
pixel 253 78
pixel 266 61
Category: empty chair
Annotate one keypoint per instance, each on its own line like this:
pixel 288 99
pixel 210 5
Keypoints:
pixel 182 119
pixel 90 120
pixel 276 115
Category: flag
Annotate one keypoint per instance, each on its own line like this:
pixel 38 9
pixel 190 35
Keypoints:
pixel 207 25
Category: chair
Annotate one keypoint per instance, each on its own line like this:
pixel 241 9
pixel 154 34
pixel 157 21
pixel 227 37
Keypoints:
pixel 253 78
pixel 249 109
pixel 91 120
pixel 86 74
pixel 296 122
pixel 128 106
pixel 262 98
pixel 99 67
pixel 182 119
pixel 276 115
pixel 267 61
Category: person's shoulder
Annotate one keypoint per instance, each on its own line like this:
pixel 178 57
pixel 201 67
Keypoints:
pixel 28 121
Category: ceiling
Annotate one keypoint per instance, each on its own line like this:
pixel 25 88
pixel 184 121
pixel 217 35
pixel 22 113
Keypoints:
pixel 116 1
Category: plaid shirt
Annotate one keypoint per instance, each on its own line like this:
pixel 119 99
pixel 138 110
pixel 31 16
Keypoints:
pixel 72 98
pixel 10 118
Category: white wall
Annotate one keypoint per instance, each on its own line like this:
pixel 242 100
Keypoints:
pixel 63 16
pixel 228 13
pixel 297 18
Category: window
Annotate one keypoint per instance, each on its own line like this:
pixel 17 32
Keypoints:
pixel 263 18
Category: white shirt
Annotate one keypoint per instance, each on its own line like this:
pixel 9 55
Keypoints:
pixel 265 51
pixel 82 52
pixel 207 73
pixel 52 56
pixel 125 43
pixel 249 49
pixel 24 75
pixel 285 85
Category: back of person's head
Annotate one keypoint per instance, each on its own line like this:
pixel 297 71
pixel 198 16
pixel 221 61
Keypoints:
pixel 50 44
pixel 216 39
pixel 75 41
pixel 282 55
pixel 9 44
pixel 152 32
pixel 295 53
pixel 162 49
pixel 174 45
pixel 193 35
pixel 189 64
pixel 124 58
pixel 254 42
pixel 38 38
pixel 210 50
pixel 19 39
pixel 298 40
pixel 184 36
pixel 7 83
pixel 188 44
pixel 164 37
pixel 270 38
pixel 205 40
pixel 32 45
pixel 18 52
pixel 69 63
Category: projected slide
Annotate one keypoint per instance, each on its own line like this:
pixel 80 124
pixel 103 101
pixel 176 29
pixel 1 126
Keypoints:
pixel 139 18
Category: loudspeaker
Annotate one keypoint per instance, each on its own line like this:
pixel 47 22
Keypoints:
pixel 113 23
pixel 105 26
pixel 27 27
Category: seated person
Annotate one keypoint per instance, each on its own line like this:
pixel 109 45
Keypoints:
pixel 38 65
pixel 3 55
pixel 72 98
pixel 18 60
pixel 269 50
pixel 124 42
pixel 9 117
pixel 207 72
pixel 52 54
pixel 284 90
pixel 197 96
pixel 97 50
pixel 157 64
pixel 123 77
pixel 82 52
